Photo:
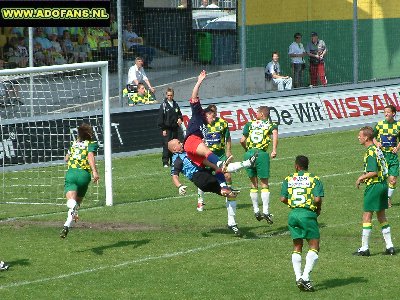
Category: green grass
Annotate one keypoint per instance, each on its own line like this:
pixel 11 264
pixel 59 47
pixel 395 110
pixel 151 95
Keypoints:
pixel 153 244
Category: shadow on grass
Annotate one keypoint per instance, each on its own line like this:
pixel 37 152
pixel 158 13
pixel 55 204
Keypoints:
pixel 247 232
pixel 100 250
pixel 18 262
pixel 338 282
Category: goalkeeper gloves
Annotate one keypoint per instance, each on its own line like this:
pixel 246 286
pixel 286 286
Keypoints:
pixel 182 189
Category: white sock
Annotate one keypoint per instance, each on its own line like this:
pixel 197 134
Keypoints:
pixel 254 199
pixel 231 208
pixel 236 166
pixel 265 200
pixel 366 232
pixel 72 205
pixel 296 262
pixel 311 260
pixel 390 192
pixel 69 217
pixel 200 196
pixel 387 237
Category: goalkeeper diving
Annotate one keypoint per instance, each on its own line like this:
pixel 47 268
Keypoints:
pixel 201 176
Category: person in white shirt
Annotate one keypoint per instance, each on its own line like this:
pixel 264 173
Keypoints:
pixel 136 74
pixel 296 54
pixel 204 3
pixel 273 72
pixel 213 4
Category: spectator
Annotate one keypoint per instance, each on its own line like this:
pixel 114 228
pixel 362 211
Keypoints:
pixel 169 120
pixel 136 74
pixel 272 72
pixel 71 54
pixel 43 46
pixel 214 4
pixel 10 52
pixel 105 47
pixel 135 43
pixel 113 29
pixel 87 42
pixel 22 53
pixel 316 50
pixel 74 32
pixel 50 30
pixel 204 4
pixel 183 4
pixel 57 53
pixel 141 96
pixel 296 53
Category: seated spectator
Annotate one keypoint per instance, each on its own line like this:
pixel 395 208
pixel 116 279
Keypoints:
pixel 183 4
pixel 272 72
pixel 50 30
pixel 43 46
pixel 135 43
pixel 204 3
pixel 105 47
pixel 142 96
pixel 113 29
pixel 214 4
pixel 22 53
pixel 87 43
pixel 71 54
pixel 73 32
pixel 136 74
pixel 10 52
pixel 57 52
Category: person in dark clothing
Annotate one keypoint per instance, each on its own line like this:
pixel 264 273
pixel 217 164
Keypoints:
pixel 169 121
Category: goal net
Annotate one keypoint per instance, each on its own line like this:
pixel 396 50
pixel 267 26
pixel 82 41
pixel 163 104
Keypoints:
pixel 40 110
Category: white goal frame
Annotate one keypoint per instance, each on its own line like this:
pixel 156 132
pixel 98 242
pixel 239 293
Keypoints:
pixel 103 66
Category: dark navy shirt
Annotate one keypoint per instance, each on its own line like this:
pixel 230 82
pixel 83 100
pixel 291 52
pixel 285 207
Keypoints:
pixel 197 123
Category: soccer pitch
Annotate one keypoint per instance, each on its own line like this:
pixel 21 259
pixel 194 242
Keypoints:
pixel 153 244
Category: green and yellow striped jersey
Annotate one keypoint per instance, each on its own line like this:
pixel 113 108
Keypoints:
pixel 258 134
pixel 300 188
pixel 78 154
pixel 217 134
pixel 388 134
pixel 374 161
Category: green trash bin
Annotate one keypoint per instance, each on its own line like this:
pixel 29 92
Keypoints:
pixel 204 43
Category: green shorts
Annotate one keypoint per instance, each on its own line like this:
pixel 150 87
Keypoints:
pixel 303 224
pixel 393 163
pixel 77 180
pixel 261 170
pixel 376 196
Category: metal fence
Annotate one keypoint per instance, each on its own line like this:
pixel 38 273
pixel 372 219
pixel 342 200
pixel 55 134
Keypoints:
pixel 236 40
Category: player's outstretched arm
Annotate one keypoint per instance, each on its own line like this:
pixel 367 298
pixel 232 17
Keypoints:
pixel 92 163
pixel 200 78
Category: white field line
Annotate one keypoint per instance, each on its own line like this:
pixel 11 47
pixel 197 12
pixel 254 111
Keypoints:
pixel 160 257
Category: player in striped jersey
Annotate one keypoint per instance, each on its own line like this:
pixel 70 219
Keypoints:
pixel 218 140
pixel 81 168
pixel 387 137
pixel 302 192
pixel 256 139
pixel 376 190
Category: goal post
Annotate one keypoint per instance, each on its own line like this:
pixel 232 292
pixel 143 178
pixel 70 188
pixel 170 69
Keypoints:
pixel 40 109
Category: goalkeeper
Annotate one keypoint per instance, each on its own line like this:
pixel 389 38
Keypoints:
pixel 81 168
pixel 203 178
